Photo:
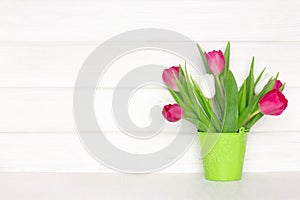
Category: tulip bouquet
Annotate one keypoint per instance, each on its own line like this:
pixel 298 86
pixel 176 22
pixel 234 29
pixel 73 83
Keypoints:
pixel 230 107
pixel 225 115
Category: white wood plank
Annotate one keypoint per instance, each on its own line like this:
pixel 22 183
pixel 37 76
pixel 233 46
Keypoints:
pixel 99 20
pixel 43 44
pixel 57 64
pixel 51 110
pixel 276 151
pixel 94 186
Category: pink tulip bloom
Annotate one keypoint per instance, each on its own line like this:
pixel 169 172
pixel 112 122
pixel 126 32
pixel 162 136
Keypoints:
pixel 273 103
pixel 277 85
pixel 172 112
pixel 215 61
pixel 169 76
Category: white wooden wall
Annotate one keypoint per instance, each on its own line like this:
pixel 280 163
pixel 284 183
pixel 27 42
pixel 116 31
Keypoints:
pixel 44 43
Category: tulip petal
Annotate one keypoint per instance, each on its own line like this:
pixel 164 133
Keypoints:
pixel 273 103
pixel 215 61
pixel 169 76
pixel 172 112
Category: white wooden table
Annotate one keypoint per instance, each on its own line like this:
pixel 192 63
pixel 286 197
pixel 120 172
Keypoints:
pixel 78 186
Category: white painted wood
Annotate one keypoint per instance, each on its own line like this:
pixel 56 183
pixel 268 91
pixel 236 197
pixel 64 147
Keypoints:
pixel 44 43
pixel 41 152
pixel 57 64
pixel 51 110
pixel 99 20
pixel 78 186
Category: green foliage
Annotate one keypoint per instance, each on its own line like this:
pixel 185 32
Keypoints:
pixel 231 108
pixel 250 84
pixel 242 97
pixel 203 58
pixel 259 77
pixel 189 99
pixel 227 60
pixel 253 105
pixel 231 113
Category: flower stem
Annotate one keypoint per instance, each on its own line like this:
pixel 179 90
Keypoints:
pixel 250 117
pixel 220 86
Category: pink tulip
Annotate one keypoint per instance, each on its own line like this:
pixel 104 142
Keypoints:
pixel 169 76
pixel 277 85
pixel 215 61
pixel 172 112
pixel 273 103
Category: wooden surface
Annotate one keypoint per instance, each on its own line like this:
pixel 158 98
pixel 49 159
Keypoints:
pixel 44 43
pixel 259 186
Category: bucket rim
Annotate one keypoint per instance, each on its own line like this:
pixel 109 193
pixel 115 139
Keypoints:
pixel 242 130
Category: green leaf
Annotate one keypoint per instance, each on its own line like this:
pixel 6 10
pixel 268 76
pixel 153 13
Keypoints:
pixel 188 99
pixel 230 119
pixel 174 95
pixel 227 59
pixel 185 97
pixel 253 120
pixel 251 107
pixel 227 56
pixel 282 87
pixel 201 99
pixel 203 58
pixel 250 84
pixel 219 99
pixel 259 77
pixel 206 105
pixel 197 107
pixel 242 97
pixel 178 99
pixel 181 74
pixel 189 91
pixel 201 127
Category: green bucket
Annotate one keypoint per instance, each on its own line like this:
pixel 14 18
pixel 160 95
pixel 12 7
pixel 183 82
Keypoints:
pixel 223 155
